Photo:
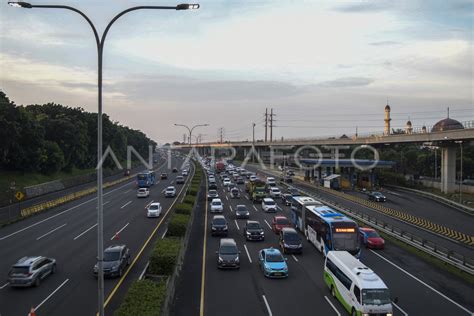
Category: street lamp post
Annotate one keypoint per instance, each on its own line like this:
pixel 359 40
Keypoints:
pixel 460 173
pixel 190 130
pixel 100 48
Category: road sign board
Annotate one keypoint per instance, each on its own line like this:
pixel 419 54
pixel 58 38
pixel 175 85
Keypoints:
pixel 19 196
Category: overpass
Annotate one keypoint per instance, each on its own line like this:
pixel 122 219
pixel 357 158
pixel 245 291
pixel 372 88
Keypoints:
pixel 447 140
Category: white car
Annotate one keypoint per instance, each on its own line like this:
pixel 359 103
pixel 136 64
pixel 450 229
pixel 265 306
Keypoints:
pixel 253 178
pixel 185 172
pixel 275 192
pixel 170 192
pixel 271 180
pixel 153 210
pixel 217 206
pixel 269 205
pixel 143 193
pixel 226 182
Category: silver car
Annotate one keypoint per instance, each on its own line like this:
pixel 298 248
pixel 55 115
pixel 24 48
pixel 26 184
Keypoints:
pixel 30 271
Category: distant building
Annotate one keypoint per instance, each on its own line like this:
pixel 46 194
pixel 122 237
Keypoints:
pixel 387 120
pixel 408 128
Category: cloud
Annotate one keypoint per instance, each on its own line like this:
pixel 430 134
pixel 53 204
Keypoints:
pixel 347 82
pixel 384 43
pixel 366 6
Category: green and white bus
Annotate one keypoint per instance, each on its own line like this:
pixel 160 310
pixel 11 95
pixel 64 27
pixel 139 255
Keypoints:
pixel 358 288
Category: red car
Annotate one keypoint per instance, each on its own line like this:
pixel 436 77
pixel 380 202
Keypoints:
pixel 370 238
pixel 279 222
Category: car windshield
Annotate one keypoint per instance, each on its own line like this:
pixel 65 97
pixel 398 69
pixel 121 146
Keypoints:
pixel 291 237
pixel 372 234
pixel 274 257
pixel 212 192
pixel 170 189
pixel 219 221
pixel 275 190
pixel 228 250
pixel 216 203
pixel 154 207
pixel 282 221
pixel 20 270
pixel 241 208
pixel 269 203
pixel 253 225
pixel 111 255
pixel 375 297
pixel 377 193
pixel 141 190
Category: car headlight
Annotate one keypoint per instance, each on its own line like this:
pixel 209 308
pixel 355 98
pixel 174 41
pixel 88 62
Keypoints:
pixel 389 314
pixel 114 268
pixel 213 228
pixel 236 260
pixel 286 245
pixel 95 268
pixel 261 233
pixel 225 227
pixel 247 232
pixel 220 259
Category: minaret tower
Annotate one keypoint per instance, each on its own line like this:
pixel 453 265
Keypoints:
pixel 387 120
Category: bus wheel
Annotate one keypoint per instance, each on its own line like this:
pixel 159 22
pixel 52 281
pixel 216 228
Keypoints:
pixel 353 313
pixel 322 252
pixel 333 291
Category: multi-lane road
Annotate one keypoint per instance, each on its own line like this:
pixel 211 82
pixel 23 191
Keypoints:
pixel 421 289
pixel 69 234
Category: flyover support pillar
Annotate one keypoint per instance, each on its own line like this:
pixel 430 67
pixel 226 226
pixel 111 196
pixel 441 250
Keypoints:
pixel 448 169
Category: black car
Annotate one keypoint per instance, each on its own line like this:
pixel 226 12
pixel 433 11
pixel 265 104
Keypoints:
pixel 212 185
pixel 377 196
pixel 241 211
pixel 219 225
pixel 235 193
pixel 286 198
pixel 116 259
pixel 164 176
pixel 212 194
pixel 290 241
pixel 179 180
pixel 228 254
pixel 254 231
pixel 175 170
pixel 240 180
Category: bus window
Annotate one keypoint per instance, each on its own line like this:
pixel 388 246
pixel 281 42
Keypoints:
pixel 357 293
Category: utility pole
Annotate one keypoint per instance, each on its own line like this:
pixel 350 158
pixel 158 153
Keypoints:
pixel 253 133
pixel 266 123
pixel 184 138
pixel 221 134
pixel 271 124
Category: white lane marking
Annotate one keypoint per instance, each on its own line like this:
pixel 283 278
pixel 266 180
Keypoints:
pixel 223 190
pixel 78 236
pixel 227 198
pixel 279 208
pixel 401 310
pixel 267 223
pixel 296 259
pixel 248 254
pixel 332 305
pixel 117 233
pixel 4 286
pixel 431 288
pixel 236 224
pixel 60 213
pixel 146 206
pixel 144 270
pixel 164 233
pixel 106 203
pixel 162 191
pixel 231 210
pixel 171 181
pixel 126 204
pixel 127 191
pixel 49 296
pixel 268 306
pixel 51 231
pixel 255 208
pixel 246 197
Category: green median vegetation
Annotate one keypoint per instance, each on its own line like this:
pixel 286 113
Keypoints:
pixel 144 298
pixel 164 255
pixel 178 225
pixel 189 200
pixel 183 208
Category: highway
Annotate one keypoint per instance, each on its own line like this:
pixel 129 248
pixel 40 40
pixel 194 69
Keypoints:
pixel 421 288
pixel 68 234
pixel 412 204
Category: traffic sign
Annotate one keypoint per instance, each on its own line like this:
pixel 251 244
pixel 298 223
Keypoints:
pixel 19 196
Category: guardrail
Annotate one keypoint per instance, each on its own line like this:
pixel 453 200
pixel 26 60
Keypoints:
pixel 444 254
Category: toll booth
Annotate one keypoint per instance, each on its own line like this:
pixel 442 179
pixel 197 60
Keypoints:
pixel 333 182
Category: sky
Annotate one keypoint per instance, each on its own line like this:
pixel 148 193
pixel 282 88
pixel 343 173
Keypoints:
pixel 325 67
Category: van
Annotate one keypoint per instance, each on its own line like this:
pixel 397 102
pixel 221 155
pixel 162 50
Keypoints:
pixel 228 254
pixel 357 287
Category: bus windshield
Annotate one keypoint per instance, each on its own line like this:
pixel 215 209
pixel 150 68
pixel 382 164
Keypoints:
pixel 141 176
pixel 345 237
pixel 375 297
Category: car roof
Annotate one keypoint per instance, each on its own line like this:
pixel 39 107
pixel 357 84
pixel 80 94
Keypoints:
pixel 280 216
pixel 155 203
pixel 286 230
pixel 216 200
pixel 228 242
pixel 268 200
pixel 366 229
pixel 275 188
pixel 241 205
pixel 271 250
pixel 217 217
pixel 115 247
pixel 26 261
pixel 253 222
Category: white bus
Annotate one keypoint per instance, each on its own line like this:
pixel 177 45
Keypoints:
pixel 358 288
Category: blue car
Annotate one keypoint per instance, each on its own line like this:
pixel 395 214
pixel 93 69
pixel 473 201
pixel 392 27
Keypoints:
pixel 272 263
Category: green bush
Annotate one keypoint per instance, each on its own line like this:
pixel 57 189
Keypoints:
pixel 189 200
pixel 192 191
pixel 144 298
pixel 164 255
pixel 183 208
pixel 177 225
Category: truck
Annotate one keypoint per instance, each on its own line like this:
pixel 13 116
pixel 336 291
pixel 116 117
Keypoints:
pixel 220 166
pixel 256 190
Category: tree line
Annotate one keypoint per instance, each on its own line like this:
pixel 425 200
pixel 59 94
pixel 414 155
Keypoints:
pixel 51 137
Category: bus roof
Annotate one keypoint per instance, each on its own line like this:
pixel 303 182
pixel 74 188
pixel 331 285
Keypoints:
pixel 329 214
pixel 359 273
pixel 306 200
